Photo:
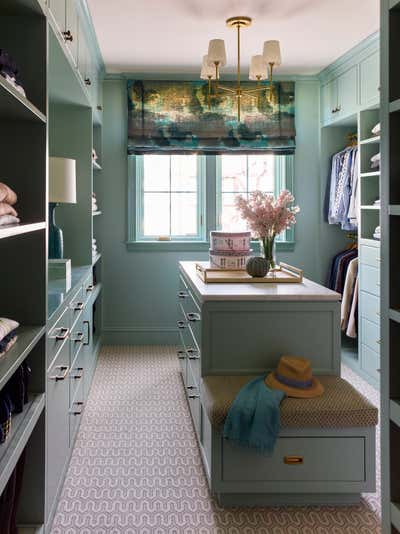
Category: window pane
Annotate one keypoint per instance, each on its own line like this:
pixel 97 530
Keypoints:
pixel 184 173
pixel 156 173
pixel 156 214
pixel 184 214
pixel 261 173
pixel 233 173
pixel 230 218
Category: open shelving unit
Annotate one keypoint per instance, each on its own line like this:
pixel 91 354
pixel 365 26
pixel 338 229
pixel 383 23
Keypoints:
pixel 23 137
pixel 390 280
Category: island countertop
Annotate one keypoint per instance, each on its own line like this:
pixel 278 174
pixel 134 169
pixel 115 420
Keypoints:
pixel 306 291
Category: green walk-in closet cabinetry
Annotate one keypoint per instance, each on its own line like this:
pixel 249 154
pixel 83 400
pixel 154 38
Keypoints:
pixel 59 335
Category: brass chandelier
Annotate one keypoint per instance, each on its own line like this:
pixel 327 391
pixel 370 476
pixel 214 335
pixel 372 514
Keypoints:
pixel 261 67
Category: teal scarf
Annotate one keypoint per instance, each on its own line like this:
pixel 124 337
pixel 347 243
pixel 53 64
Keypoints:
pixel 253 420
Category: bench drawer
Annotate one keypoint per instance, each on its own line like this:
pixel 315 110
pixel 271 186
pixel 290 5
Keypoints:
pixel 311 459
pixel 370 307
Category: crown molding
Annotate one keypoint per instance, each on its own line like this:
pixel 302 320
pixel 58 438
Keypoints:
pixel 179 76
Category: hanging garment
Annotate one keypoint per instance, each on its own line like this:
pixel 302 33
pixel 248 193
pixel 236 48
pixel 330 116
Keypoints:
pixel 337 275
pixel 348 292
pixel 353 316
pixel 342 181
pixel 355 193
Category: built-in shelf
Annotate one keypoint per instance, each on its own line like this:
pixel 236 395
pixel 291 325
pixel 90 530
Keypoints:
pixel 371 207
pixel 22 7
pixel 394 106
pixel 371 140
pixel 96 166
pixel 394 209
pixel 96 258
pixel 94 213
pixel 22 426
pixel 28 336
pixel 394 315
pixel 367 174
pixel 395 515
pixel 11 230
pixel 13 105
pixel 395 411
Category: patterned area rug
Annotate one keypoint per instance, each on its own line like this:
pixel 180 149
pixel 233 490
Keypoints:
pixel 136 467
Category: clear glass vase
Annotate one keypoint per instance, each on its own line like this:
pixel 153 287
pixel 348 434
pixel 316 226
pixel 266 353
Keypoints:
pixel 268 247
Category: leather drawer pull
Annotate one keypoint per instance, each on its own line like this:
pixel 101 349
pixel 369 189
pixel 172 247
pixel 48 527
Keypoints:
pixel 78 306
pixel 63 376
pixel 293 460
pixel 182 295
pixel 63 334
pixel 193 317
pixel 181 325
pixel 181 354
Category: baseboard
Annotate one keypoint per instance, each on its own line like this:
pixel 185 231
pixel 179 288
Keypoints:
pixel 139 335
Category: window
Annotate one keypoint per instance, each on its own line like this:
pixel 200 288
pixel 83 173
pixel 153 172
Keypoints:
pixel 169 190
pixel 243 174
pixel 167 196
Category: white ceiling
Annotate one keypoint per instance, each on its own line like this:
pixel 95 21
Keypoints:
pixel 170 36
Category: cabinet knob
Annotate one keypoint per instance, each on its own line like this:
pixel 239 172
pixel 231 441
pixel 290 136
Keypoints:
pixel 68 36
pixel 88 81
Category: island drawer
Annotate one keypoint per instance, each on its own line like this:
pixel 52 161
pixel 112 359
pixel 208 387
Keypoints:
pixel 193 395
pixel 303 459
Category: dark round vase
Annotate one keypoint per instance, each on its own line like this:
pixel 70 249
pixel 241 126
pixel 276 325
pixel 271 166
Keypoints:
pixel 257 267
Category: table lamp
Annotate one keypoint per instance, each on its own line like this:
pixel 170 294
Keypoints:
pixel 62 190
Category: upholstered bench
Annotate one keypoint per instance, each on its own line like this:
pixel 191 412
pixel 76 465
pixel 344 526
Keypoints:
pixel 325 453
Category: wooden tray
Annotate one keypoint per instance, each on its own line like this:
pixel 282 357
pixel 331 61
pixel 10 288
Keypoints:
pixel 285 274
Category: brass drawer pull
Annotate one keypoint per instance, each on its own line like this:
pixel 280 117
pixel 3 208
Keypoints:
pixel 79 337
pixel 78 306
pixel 63 376
pixel 89 288
pixel 64 333
pixel 181 325
pixel 181 354
pixel 293 460
pixel 183 295
pixel 193 317
pixel 79 375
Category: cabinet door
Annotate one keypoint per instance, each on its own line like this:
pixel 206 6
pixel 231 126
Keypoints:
pixel 88 359
pixel 71 25
pixel 328 101
pixel 57 8
pixel 57 411
pixel 347 87
pixel 369 79
pixel 82 52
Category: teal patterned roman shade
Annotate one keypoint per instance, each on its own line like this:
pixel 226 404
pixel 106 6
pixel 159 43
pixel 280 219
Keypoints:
pixel 173 117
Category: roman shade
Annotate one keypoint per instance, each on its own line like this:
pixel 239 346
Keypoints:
pixel 173 117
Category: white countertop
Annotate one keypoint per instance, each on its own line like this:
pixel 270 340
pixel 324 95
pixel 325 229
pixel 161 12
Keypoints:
pixel 306 291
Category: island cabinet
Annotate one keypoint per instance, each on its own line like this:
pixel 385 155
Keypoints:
pixel 71 361
pixel 230 333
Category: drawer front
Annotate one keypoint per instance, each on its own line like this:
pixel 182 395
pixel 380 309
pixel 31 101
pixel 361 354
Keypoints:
pixel 194 362
pixel 77 337
pixel 88 288
pixel 193 395
pixel 298 459
pixel 57 405
pixel 370 335
pixel 370 307
pixel 77 305
pixel 75 414
pixel 370 279
pixel 190 309
pixel 370 362
pixel 58 336
pixel 370 256
pixel 182 358
pixel 76 373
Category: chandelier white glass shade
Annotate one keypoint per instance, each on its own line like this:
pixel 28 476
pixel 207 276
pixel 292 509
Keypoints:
pixel 261 66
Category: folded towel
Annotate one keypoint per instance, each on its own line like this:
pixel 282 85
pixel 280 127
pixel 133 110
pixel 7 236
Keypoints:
pixel 7 326
pixel 6 209
pixel 376 129
pixel 8 219
pixel 254 418
pixel 7 194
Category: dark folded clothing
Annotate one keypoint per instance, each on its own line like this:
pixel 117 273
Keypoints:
pixel 7 61
pixel 5 341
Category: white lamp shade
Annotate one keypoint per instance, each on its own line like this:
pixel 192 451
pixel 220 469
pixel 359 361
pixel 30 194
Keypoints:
pixel 207 69
pixel 216 52
pixel 62 180
pixel 258 68
pixel 272 52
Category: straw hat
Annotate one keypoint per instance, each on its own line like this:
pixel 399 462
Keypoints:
pixel 294 376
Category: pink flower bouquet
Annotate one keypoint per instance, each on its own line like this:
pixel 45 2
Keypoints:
pixel 267 217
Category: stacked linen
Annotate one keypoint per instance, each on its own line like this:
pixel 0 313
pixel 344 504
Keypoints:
pixel 8 334
pixel 94 203
pixel 377 233
pixel 94 247
pixel 9 70
pixel 8 198
pixel 229 250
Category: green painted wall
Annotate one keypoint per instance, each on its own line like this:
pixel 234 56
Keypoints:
pixel 139 287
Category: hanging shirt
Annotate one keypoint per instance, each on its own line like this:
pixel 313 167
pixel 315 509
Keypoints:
pixel 343 172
